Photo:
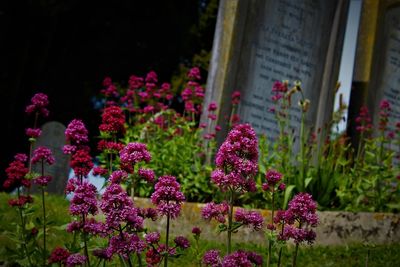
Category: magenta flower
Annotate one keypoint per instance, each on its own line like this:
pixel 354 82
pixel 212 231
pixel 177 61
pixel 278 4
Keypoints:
pixel 116 206
pixel 33 132
pixel 59 255
pixel 196 231
pixel 16 173
pixel 84 200
pixel 167 196
pixel 42 180
pixel 113 120
pixel 118 176
pixel 212 107
pixel 124 244
pixel 147 174
pixel 237 160
pixel 43 154
pixel 249 218
pixel 132 154
pixel 152 238
pixel 215 211
pixel 76 132
pixel 194 73
pixel 182 242
pixel 81 162
pixel 235 98
pixel 273 177
pixel 75 260
pixel 242 258
pixel 39 102
pixel 212 258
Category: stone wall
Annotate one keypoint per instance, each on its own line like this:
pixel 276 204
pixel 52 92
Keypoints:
pixel 335 228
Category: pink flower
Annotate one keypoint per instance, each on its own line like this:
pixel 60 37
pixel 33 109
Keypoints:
pixel 33 133
pixel 212 258
pixel 273 177
pixel 215 211
pixel 42 180
pixel 194 73
pixel 235 98
pixel 76 132
pixel 167 196
pixel 132 154
pixel 59 255
pixel 16 173
pixel 43 154
pixel 113 120
pixel 75 260
pixel 182 242
pixel 146 174
pixel 81 163
pixel 39 102
pixel 212 106
pixel 249 218
pixel 237 160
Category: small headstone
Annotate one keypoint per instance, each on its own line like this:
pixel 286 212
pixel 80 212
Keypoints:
pixel 53 137
pixel 274 40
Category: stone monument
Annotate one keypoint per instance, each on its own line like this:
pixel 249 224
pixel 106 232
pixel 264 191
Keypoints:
pixel 376 74
pixel 259 42
pixel 53 138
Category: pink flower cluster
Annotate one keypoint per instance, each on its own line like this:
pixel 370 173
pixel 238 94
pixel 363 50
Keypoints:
pixel 84 200
pixel 237 160
pixel 273 178
pixel 298 219
pixel 125 244
pixel 76 133
pixel 193 94
pixel 113 120
pixel 118 207
pixel 249 218
pixel 215 211
pixel 363 121
pixel 384 113
pixel 39 103
pixel 43 154
pixel 238 258
pixel 16 172
pixel 132 154
pixel 167 196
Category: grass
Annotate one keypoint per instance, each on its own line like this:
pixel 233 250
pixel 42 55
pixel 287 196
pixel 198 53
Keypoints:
pixel 310 256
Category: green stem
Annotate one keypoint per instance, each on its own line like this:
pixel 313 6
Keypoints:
pixel 272 221
pixel 44 228
pixel 230 219
pixel 44 220
pixel 281 248
pixel 139 259
pixel 166 244
pixel 21 215
pixel 85 241
pixel 295 255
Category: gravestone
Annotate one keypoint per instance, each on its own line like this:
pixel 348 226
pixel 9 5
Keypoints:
pixel 259 42
pixel 377 66
pixel 53 137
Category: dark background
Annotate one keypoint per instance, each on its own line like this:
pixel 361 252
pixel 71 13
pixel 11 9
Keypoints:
pixel 65 49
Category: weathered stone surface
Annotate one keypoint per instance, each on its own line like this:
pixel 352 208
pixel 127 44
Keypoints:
pixel 335 228
pixel 377 63
pixel 53 138
pixel 270 41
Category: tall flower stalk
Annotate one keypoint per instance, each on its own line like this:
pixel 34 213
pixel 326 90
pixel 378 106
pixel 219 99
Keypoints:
pixel 43 155
pixel 168 198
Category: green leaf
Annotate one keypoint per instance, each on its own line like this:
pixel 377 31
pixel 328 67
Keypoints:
pixel 288 193
pixel 307 181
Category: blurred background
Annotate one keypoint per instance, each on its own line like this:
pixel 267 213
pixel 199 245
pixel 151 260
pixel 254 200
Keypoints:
pixel 66 48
